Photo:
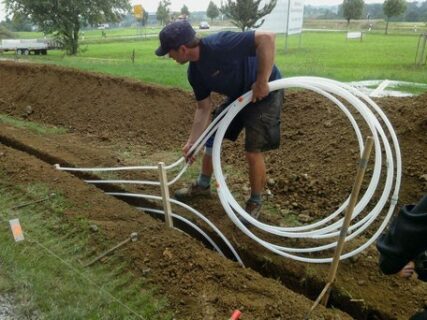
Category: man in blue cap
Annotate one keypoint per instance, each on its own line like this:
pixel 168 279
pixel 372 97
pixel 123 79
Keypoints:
pixel 229 63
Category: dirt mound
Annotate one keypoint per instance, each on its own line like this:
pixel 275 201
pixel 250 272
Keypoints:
pixel 313 168
pixel 112 108
pixel 311 173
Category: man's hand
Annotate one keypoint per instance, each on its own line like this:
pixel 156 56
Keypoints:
pixel 185 150
pixel 259 91
pixel 407 271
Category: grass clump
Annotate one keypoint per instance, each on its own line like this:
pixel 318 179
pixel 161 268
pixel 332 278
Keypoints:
pixel 35 127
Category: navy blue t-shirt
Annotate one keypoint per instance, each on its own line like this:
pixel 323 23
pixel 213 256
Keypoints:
pixel 227 65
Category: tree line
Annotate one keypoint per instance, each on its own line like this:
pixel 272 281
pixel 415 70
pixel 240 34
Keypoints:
pixel 354 9
pixel 65 18
pixel 413 12
pixel 244 14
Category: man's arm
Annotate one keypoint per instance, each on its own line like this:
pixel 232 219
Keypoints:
pixel 265 51
pixel 200 122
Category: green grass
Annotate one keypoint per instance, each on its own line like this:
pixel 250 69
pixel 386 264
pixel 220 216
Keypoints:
pixel 329 54
pixel 93 34
pixel 324 54
pixel 44 275
pixel 32 126
pixel 378 26
pixel 409 89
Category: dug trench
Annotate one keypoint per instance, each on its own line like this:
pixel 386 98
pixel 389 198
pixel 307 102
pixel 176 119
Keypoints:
pixel 116 122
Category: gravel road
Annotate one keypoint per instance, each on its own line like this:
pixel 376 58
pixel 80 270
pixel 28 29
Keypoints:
pixel 7 308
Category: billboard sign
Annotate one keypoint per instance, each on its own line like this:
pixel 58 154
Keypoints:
pixel 286 17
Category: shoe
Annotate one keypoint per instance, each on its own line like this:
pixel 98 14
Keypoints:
pixel 253 208
pixel 192 191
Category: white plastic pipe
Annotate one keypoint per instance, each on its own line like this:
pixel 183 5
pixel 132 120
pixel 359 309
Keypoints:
pixel 366 108
pixel 188 208
pixel 189 223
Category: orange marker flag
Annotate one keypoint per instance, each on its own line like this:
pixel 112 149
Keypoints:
pixel 17 232
pixel 236 315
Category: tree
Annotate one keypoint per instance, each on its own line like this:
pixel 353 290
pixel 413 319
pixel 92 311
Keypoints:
pixel 185 11
pixel 21 22
pixel 64 18
pixel 144 18
pixel 5 33
pixel 352 9
pixel 213 11
pixel 245 14
pixel 393 8
pixel 375 11
pixel 163 11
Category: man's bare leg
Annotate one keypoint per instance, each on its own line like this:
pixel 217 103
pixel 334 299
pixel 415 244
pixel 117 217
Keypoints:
pixel 207 166
pixel 257 178
pixel 257 175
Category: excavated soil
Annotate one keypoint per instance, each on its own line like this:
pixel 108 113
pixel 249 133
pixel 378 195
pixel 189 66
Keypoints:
pixel 115 121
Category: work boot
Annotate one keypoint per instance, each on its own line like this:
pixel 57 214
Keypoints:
pixel 192 191
pixel 253 208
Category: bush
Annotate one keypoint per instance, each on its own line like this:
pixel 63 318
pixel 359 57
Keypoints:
pixel 5 33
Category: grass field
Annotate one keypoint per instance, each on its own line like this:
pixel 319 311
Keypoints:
pixel 326 54
pixel 331 55
pixel 377 26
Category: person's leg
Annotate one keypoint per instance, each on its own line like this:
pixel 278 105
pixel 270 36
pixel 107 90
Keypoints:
pixel 262 125
pixel 257 176
pixel 204 178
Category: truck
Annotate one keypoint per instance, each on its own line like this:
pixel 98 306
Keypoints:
pixel 25 46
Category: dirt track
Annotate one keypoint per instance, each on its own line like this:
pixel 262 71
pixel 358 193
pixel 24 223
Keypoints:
pixel 313 171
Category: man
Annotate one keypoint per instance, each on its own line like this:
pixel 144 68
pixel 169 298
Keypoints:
pixel 403 248
pixel 230 63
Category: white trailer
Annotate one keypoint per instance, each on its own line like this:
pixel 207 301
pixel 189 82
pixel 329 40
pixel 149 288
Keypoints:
pixel 25 46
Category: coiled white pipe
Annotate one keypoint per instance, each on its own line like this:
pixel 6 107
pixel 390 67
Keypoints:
pixel 329 89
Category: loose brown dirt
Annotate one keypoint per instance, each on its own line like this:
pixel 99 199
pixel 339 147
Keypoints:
pixel 114 121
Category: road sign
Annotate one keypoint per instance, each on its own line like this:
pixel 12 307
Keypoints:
pixel 138 11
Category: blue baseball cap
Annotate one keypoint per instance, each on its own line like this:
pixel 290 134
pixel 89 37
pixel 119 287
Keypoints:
pixel 174 35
